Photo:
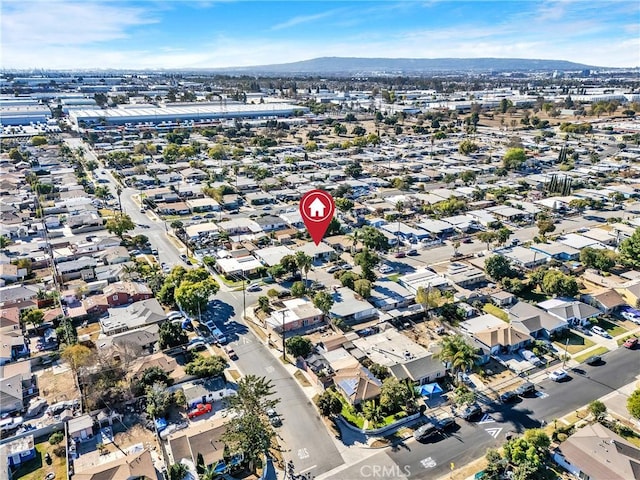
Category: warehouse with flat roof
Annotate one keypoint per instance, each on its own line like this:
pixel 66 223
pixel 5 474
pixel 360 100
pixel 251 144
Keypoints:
pixel 193 112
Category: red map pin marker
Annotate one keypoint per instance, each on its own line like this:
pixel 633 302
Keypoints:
pixel 317 208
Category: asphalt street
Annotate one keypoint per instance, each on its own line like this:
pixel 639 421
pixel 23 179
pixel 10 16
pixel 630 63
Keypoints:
pixel 433 458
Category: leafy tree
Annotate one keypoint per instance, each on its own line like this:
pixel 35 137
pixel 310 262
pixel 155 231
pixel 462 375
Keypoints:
pixel 298 289
pixel 467 146
pixel 153 375
pixel 178 471
pixel 630 250
pixel 276 271
pixel 205 367
pixel 393 395
pixel 34 316
pixel 171 335
pixel 77 356
pixel 502 235
pixel 249 431
pixel 633 404
pixel 344 204
pixel 367 260
pixel 4 242
pixel 373 239
pixel 514 158
pixel 379 371
pixel 601 259
pixel 264 304
pixel 463 395
pixel 557 283
pixel 348 279
pixel 329 404
pixel 372 412
pixel 495 465
pixel 119 224
pixel 194 296
pixel 159 400
pixel 499 267
pixel 353 169
pixel 545 226
pixel 457 353
pixel 289 264
pixel 16 155
pixel 429 298
pixel 451 312
pixel 299 346
pixel 38 140
pixel 323 301
pixel 362 287
pixel 488 238
pixel 597 409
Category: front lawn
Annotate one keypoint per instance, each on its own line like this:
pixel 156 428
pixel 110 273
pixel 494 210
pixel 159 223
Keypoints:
pixel 611 328
pixel 37 468
pixel 496 311
pixel 576 344
pixel 584 356
pixel 355 418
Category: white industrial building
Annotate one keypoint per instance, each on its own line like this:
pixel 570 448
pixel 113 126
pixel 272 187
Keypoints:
pixel 195 112
pixel 23 114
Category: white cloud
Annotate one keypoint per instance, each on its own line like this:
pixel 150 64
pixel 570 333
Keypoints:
pixel 292 22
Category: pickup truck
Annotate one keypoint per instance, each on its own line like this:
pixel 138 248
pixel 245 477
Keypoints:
pixel 200 409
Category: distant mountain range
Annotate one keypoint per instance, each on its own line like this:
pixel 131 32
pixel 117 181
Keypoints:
pixel 392 66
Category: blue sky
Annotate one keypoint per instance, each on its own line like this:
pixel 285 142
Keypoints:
pixel 210 33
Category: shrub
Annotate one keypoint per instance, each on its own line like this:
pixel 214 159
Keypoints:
pixel 56 438
pixel 60 451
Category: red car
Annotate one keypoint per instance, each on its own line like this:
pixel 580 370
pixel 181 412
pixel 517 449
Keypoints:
pixel 630 343
pixel 200 409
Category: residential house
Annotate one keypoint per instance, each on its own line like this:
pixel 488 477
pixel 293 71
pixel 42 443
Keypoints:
pixel 135 465
pixel 82 267
pixel 11 273
pixel 504 338
pixel 207 391
pixel 630 292
pixel 357 385
pixel 605 299
pixel 133 343
pixel 121 293
pixel 20 372
pixel 572 311
pixel 319 253
pixel 115 255
pixel 136 315
pixel 13 295
pixel 11 394
pixel 594 452
pixel 157 360
pixel 387 295
pixel 422 370
pixel 556 250
pixel 298 313
pixel 535 321
pixel 271 256
pixel 502 298
pixel 350 308
pixel 464 275
pixel 95 305
pixel 85 222
pixel 271 223
pixel 18 451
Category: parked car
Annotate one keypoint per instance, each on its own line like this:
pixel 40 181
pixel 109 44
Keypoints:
pixel 385 269
pixel 231 353
pixel 334 269
pixel 558 375
pixel 526 388
pixel 274 418
pixel 508 396
pixel 593 360
pixel 632 317
pixel 600 331
pixel 446 423
pixel 200 409
pixel 400 254
pixel 630 343
pixel 531 357
pixel 412 253
pixel 471 411
pixel 424 431
pixel 254 288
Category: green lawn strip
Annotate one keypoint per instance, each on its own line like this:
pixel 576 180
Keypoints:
pixel 584 356
pixel 496 311
pixel 611 328
pixel 625 338
pixel 394 277
pixel 577 343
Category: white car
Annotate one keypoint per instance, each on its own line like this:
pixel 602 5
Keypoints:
pixel 558 375
pixel 254 288
pixel 600 331
pixel 385 269
pixel 632 317
pixel 530 357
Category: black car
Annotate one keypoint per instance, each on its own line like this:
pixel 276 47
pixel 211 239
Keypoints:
pixel 425 431
pixel 594 360
pixel 526 388
pixel 508 396
pixel 446 423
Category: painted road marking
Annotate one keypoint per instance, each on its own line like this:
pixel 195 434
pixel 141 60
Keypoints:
pixel 246 341
pixel 307 469
pixel 486 419
pixel 428 462
pixel 270 369
pixel 494 432
pixel 303 453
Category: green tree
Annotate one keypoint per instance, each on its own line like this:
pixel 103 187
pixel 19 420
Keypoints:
pixel 304 263
pixel 153 375
pixel 299 346
pixel 353 169
pixel 633 404
pixel 467 146
pixel 159 400
pixel 488 238
pixel 502 235
pixel 498 267
pixel 545 226
pixel 458 354
pixel 298 289
pixel 348 279
pixel 367 260
pixel 373 239
pixel 16 155
pixel 630 250
pixel 178 471
pixel 601 259
pixel 323 301
pixel 393 395
pixel 77 356
pixel 328 403
pixel 193 297
pixel 597 409
pixel 264 304
pixel 344 204
pixel 514 158
pixel 205 367
pixel 557 283
pixel 171 335
pixel 249 431
pixel 289 264
pixel 119 224
pixel 4 242
pixel 34 316
pixel 276 271
pixel 372 412
pixel 38 140
pixel 362 287
pixel 379 371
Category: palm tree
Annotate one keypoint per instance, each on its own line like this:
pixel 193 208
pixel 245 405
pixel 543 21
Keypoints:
pixel 304 263
pixel 400 209
pixel 178 471
pixel 372 412
pixel 209 472
pixel 458 354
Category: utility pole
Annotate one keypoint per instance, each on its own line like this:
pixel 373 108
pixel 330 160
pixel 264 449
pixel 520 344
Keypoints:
pixel 566 346
pixel 284 350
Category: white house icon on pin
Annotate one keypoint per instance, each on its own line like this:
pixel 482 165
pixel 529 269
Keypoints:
pixel 317 208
